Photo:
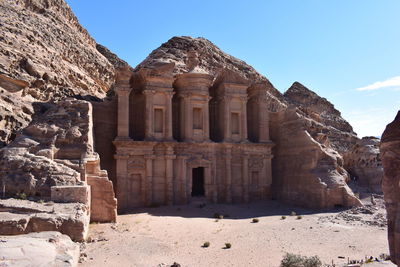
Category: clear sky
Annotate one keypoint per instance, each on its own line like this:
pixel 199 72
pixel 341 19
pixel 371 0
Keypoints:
pixel 347 51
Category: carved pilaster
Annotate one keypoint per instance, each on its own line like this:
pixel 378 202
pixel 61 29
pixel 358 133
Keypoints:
pixel 226 101
pixel 228 175
pixel 169 176
pixel 149 132
pixel 149 179
pixel 168 123
pixel 245 174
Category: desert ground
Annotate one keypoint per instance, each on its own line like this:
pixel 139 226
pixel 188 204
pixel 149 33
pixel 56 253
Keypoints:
pixel 163 235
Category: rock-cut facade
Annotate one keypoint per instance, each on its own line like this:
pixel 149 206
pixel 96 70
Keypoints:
pixel 190 135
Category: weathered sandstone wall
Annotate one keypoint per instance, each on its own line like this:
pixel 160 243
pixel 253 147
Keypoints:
pixel 390 154
pixel 364 164
pixel 105 131
pixel 305 172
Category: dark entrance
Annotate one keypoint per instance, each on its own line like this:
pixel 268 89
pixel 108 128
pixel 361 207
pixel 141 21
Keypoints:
pixel 198 182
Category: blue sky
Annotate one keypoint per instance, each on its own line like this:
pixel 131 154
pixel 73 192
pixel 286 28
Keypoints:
pixel 346 51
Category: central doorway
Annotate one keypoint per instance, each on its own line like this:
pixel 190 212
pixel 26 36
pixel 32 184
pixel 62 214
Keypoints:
pixel 198 182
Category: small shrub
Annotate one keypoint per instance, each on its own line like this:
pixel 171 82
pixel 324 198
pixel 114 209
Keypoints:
pixel 255 220
pixel 21 196
pixel 293 260
pixel 216 215
pixel 384 257
pixel 299 217
pixel 293 213
pixel 283 217
pixel 206 244
pixel 221 217
pixel 228 245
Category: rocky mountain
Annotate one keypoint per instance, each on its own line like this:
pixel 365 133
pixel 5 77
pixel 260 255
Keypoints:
pixel 316 107
pixel 46 55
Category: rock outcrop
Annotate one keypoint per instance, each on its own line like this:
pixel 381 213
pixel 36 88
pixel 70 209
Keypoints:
pixel 15 114
pixel 390 154
pixel 327 125
pixel 363 162
pixel 45 52
pixel 57 149
pixel 23 216
pixel 48 152
pixel 39 249
pixel 211 60
pixel 305 172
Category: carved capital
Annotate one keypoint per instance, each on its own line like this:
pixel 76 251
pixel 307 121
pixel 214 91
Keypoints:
pixel 123 90
pixel 148 92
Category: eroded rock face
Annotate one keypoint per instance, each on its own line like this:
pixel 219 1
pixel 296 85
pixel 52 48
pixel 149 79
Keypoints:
pixel 363 162
pixel 305 172
pixel 23 216
pixel 15 114
pixel 39 249
pixel 209 59
pixel 48 151
pixel 327 125
pixel 390 154
pixel 45 52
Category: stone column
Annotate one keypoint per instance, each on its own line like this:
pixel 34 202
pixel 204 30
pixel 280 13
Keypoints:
pixel 245 173
pixel 206 120
pixel 263 128
pixel 188 114
pixel 266 177
pixel 149 179
pixel 123 112
pixel 227 118
pixel 228 173
pixel 168 121
pixel 122 176
pixel 169 176
pixel 123 90
pixel 184 180
pixel 215 181
pixel 244 119
pixel 148 133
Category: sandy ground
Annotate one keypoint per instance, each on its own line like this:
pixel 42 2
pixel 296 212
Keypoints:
pixel 164 235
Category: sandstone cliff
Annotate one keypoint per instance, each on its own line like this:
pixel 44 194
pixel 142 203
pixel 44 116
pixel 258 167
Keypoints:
pixel 306 165
pixel 390 154
pixel 45 54
pixel 364 164
pixel 328 126
pixel 305 172
pixel 48 151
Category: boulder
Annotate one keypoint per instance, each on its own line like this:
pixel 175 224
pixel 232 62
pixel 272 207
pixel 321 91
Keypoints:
pixel 39 249
pixel 24 216
pixel 390 154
